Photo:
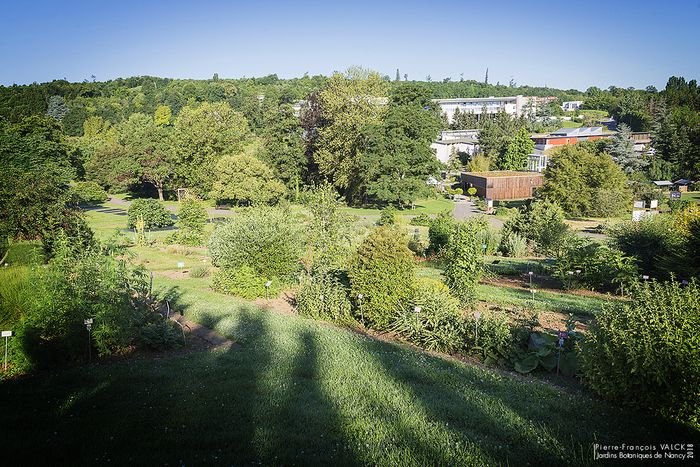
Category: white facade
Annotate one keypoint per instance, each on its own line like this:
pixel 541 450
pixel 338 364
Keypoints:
pixel 515 105
pixel 464 141
pixel 537 162
pixel 571 105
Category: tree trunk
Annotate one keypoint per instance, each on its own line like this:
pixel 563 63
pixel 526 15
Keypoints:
pixel 160 193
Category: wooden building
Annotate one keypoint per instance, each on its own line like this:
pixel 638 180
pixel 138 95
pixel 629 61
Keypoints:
pixel 503 184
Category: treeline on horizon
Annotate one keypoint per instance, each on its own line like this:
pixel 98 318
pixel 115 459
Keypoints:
pixel 114 100
pixel 140 133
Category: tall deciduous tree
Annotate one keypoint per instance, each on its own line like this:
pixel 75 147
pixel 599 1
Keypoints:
pixel 202 135
pixel 150 147
pixel 515 155
pixel 244 179
pixel 348 102
pixel 284 147
pixel 586 183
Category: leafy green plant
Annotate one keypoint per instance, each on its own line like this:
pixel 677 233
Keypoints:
pixel 489 336
pixel 440 230
pixel 490 240
pixel 463 255
pixel 88 193
pixel 387 216
pixel 645 353
pixel 265 239
pixel 200 271
pixel 151 211
pixel 322 296
pixel 191 220
pixel 242 281
pixel 431 319
pixel 421 219
pixel 513 245
pixel 382 270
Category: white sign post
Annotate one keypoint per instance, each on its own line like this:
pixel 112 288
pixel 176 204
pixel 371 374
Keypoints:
pixel 6 335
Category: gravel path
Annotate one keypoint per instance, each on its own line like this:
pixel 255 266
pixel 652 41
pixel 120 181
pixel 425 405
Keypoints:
pixel 466 209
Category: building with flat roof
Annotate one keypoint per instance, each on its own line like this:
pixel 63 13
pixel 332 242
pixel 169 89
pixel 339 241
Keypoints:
pixel 503 184
pixel 565 136
pixel 460 141
pixel 515 105
pixel 571 105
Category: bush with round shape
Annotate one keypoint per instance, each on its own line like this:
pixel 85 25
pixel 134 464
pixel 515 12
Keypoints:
pixel 152 212
pixel 268 240
pixel 322 296
pixel 89 193
pixel 191 220
pixel 440 230
pixel 382 270
pixel 438 324
pixel 387 216
pixel 644 353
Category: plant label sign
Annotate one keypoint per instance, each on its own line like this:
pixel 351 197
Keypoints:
pixel 675 195
pixel 6 334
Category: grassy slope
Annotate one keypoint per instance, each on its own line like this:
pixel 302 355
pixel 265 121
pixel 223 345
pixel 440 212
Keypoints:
pixel 298 391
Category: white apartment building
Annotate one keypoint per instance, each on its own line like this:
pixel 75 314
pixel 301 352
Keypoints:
pixel 515 105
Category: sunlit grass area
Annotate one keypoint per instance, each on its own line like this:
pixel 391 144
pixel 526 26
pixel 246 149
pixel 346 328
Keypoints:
pixel 423 206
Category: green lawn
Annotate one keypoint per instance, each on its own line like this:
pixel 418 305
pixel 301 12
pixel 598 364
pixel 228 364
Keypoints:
pixel 296 391
pixel 571 124
pixel 692 196
pixel 427 206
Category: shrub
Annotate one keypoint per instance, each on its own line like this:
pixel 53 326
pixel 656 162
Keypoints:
pixel 645 353
pixel 89 193
pixel 151 211
pixel 489 337
pixel 322 296
pixel 464 262
pixel 191 220
pixel 513 245
pixel 199 271
pixel 160 335
pixel 543 223
pixel 421 219
pixel 594 266
pixel 240 281
pixel 75 286
pixel 438 325
pixel 440 230
pixel 417 244
pixel 382 270
pixel 651 242
pixel 330 230
pixel 387 216
pixel 265 239
pixel 677 205
pixel 72 232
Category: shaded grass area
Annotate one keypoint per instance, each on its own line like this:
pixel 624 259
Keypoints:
pixel 296 391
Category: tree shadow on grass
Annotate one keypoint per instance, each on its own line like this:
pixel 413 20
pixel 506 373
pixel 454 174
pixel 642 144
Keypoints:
pixel 517 421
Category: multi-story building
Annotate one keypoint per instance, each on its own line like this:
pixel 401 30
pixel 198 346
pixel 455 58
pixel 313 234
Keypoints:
pixel 568 136
pixel 515 105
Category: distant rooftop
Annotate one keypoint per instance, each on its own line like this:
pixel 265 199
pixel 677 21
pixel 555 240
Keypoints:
pixel 582 131
pixel 475 99
pixel 503 173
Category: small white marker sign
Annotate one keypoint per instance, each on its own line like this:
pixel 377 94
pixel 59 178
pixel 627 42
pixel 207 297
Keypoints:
pixel 6 334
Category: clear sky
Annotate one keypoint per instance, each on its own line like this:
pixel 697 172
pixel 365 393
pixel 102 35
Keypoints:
pixel 563 44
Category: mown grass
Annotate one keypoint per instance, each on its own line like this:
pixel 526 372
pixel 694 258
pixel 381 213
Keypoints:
pixel 296 391
pixel 423 206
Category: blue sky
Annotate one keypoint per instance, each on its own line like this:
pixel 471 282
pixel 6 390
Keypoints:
pixel 560 44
